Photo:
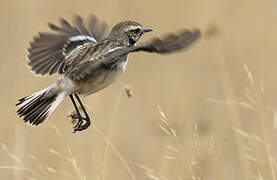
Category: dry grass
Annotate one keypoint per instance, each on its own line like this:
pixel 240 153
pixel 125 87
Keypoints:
pixel 257 148
pixel 216 116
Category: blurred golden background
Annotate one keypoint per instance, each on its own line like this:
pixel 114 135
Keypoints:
pixel 207 113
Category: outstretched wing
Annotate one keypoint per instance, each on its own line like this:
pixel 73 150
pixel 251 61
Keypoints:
pixel 171 42
pixel 168 44
pixel 47 51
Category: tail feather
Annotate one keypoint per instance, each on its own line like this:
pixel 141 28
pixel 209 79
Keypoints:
pixel 38 106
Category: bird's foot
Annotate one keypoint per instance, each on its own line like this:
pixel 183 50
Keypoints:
pixel 80 125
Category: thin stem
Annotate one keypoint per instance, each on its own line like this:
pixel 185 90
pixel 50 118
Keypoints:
pixel 110 133
pixel 262 117
pixel 235 119
pixel 121 158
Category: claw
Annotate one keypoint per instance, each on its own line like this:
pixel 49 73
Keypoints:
pixel 79 123
pixel 74 130
pixel 82 127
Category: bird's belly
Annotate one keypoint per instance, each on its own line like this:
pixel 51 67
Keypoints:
pixel 101 80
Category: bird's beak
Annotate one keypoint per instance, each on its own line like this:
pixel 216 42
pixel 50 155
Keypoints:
pixel 147 30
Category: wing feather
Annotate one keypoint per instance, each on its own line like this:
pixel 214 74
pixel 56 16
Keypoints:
pixel 97 28
pixel 47 51
pixel 168 44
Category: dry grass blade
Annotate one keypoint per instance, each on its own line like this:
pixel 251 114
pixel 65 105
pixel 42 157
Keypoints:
pixel 165 125
pixel 9 153
pixel 51 170
pixel 151 174
pixel 52 151
pixel 73 161
pixel 249 75
pixel 124 162
pixel 234 103
pixel 18 169
pixel 254 93
pixel 111 128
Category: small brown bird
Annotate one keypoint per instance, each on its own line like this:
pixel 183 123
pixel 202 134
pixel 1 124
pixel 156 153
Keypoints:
pixel 87 62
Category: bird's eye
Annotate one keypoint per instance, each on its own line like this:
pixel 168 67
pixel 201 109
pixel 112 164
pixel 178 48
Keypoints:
pixel 137 30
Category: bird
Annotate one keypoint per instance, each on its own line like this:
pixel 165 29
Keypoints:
pixel 87 59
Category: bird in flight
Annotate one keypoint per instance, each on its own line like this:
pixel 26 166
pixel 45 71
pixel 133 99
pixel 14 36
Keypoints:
pixel 87 61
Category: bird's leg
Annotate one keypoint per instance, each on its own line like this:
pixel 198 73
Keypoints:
pixel 76 116
pixel 80 127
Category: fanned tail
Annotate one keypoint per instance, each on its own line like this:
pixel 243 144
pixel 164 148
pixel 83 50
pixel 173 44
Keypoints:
pixel 38 106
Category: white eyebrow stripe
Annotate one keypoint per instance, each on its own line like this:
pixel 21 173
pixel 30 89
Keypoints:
pixel 133 27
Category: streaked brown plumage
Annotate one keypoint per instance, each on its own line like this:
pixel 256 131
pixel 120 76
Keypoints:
pixel 88 61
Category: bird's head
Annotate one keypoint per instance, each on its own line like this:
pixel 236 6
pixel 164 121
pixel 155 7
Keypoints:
pixel 130 30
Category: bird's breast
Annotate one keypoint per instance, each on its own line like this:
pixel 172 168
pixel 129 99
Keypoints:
pixel 102 78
